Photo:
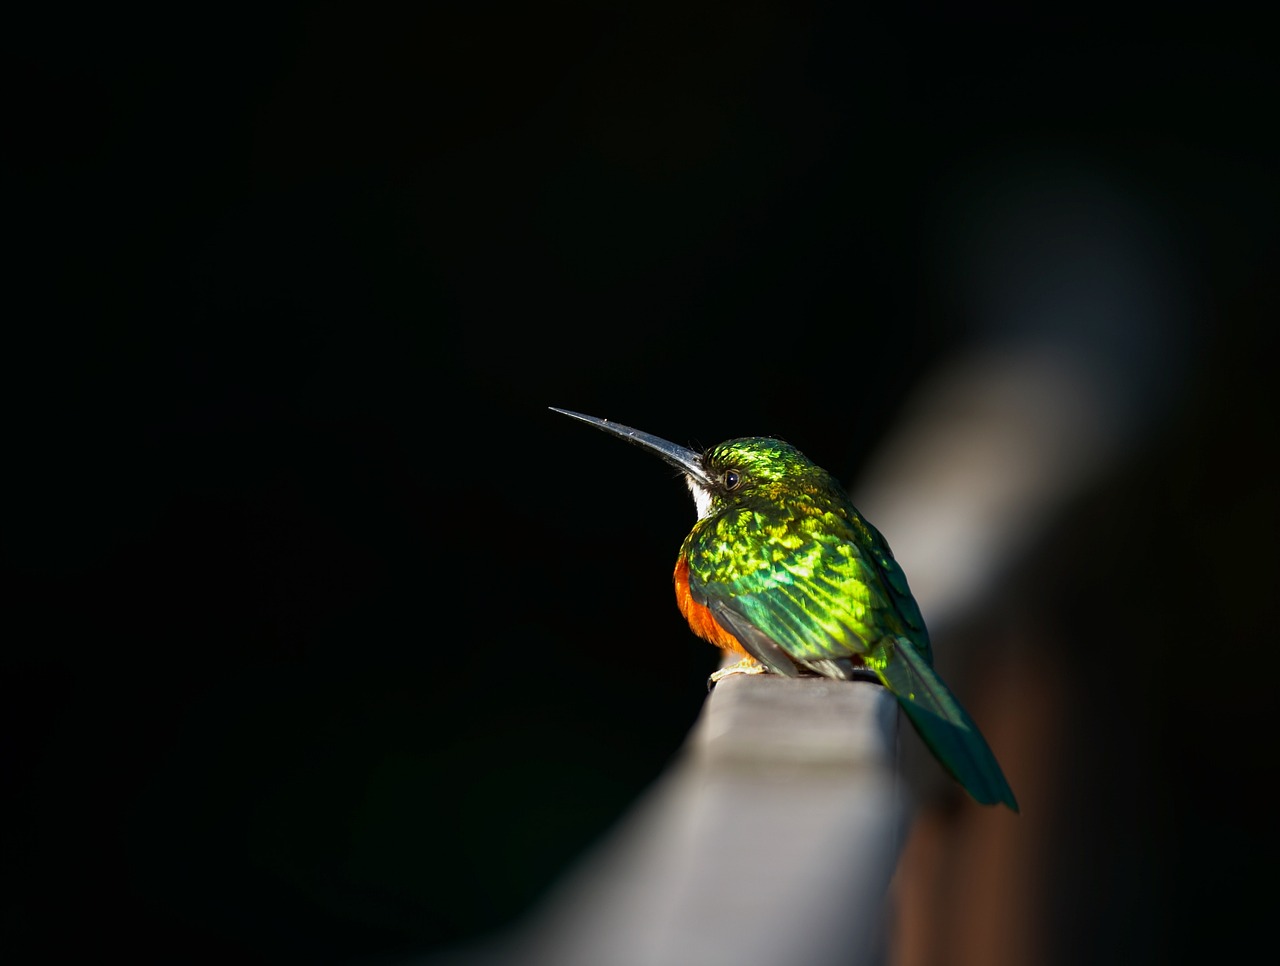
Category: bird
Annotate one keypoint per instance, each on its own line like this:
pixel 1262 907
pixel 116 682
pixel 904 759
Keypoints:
pixel 782 571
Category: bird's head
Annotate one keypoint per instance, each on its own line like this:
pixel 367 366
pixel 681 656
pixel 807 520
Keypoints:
pixel 728 473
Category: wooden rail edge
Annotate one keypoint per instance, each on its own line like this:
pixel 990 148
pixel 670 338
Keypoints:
pixel 770 840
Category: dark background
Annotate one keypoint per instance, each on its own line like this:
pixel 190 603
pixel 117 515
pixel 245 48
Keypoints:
pixel 326 641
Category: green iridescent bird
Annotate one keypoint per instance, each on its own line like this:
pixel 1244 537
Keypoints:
pixel 782 570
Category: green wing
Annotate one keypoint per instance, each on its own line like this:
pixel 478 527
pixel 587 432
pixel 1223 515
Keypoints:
pixel 821 587
pixel 824 593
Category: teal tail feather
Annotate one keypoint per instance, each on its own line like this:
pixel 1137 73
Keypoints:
pixel 944 725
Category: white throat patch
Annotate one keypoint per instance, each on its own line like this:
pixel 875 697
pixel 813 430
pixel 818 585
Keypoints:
pixel 701 497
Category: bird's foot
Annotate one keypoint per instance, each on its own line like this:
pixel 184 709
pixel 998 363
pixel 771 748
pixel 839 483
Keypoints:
pixel 746 666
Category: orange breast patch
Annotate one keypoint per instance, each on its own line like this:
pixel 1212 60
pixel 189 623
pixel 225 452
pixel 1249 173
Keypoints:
pixel 700 620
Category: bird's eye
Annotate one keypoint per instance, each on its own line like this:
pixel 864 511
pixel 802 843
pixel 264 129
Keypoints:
pixel 731 480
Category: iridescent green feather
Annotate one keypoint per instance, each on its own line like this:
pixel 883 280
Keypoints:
pixel 793 566
pixel 944 725
pixel 822 599
pixel 783 561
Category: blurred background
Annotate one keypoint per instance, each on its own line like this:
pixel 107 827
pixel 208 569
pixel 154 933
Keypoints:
pixel 326 642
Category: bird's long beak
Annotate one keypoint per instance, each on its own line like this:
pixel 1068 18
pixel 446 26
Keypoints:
pixel 681 457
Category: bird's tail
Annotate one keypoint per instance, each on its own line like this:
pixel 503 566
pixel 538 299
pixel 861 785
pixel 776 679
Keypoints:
pixel 944 725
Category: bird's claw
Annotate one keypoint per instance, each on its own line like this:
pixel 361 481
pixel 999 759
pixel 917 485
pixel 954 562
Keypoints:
pixel 745 666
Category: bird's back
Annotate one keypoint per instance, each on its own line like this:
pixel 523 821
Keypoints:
pixel 802 566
